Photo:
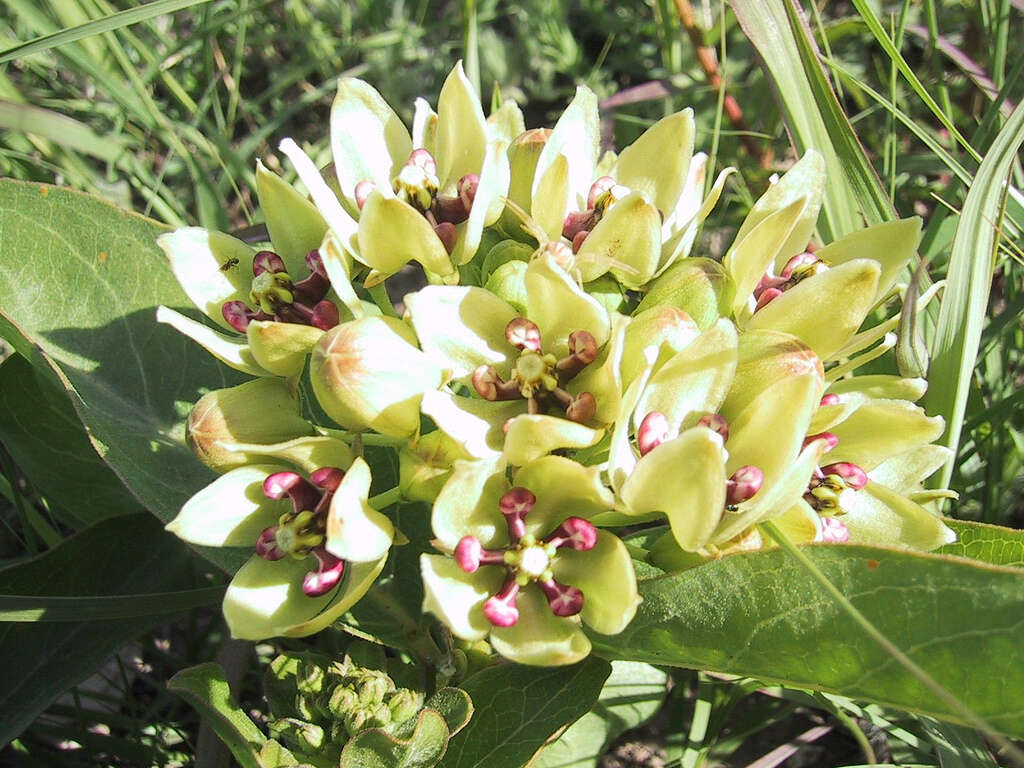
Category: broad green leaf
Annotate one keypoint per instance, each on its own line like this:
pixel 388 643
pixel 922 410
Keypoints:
pixel 632 694
pixel 813 116
pixel 128 555
pixel 35 608
pixel 41 431
pixel 82 279
pixel 517 709
pixel 762 615
pixel 969 275
pixel 206 689
pixel 987 543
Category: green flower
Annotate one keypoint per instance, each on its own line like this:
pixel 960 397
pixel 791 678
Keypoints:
pixel 424 197
pixel 318 544
pixel 278 299
pixel 551 355
pixel 631 215
pixel 524 564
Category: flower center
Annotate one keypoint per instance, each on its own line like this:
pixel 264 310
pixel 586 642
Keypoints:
pixel 527 560
pixel 277 297
pixel 301 532
pixel 540 378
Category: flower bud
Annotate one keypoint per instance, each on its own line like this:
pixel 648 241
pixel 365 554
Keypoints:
pixel 374 687
pixel 700 287
pixel 404 703
pixel 297 734
pixel 665 327
pixel 261 411
pixel 523 155
pixel 766 358
pixel 366 375
pixel 508 282
pixel 343 701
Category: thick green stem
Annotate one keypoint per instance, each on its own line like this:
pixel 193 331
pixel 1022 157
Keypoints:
pixel 380 297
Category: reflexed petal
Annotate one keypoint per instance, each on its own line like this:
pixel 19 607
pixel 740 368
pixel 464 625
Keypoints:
pixel 665 327
pixel 505 123
pixel 281 348
pixel 800 523
pixel 603 377
pixel 197 257
pixel 529 437
pixel 337 218
pixel 358 579
pixel 749 258
pixel 559 306
pixel 461 132
pixel 549 204
pixel 231 511
pixel 295 225
pixel 805 179
pixel 456 597
pixel 392 233
pixel 488 202
pixel 774 499
pixel 605 574
pixel 424 127
pixel 883 429
pixel 576 135
pixel 460 327
pixel 356 531
pixel 265 598
pixel 472 422
pixel 540 638
pixel 827 416
pixel 468 505
pixel 230 350
pixel 337 260
pixel 811 312
pixel 892 244
pixel 682 226
pixel 695 380
pixel 770 431
pixel 878 515
pixel 626 242
pixel 765 358
pixel 882 385
pixel 307 453
pixel 656 164
pixel 564 488
pixel 906 471
pixel 685 479
pixel 368 139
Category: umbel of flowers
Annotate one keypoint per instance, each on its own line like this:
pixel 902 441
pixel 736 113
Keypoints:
pixel 569 367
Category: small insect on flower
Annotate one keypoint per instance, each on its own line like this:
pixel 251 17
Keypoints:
pixel 229 264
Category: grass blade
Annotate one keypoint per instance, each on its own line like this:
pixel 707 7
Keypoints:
pixel 813 115
pixel 90 28
pixel 972 260
pixel 32 608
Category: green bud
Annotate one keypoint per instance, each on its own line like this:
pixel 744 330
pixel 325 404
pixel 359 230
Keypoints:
pixel 374 688
pixel 297 734
pixel 508 282
pixel 700 287
pixel 259 411
pixel 343 701
pixel 404 703
pixel 523 154
pixel 306 707
pixel 504 252
pixel 310 676
pixel 425 466
pixel 608 292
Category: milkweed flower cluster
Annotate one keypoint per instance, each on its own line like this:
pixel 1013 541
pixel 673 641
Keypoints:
pixel 570 367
